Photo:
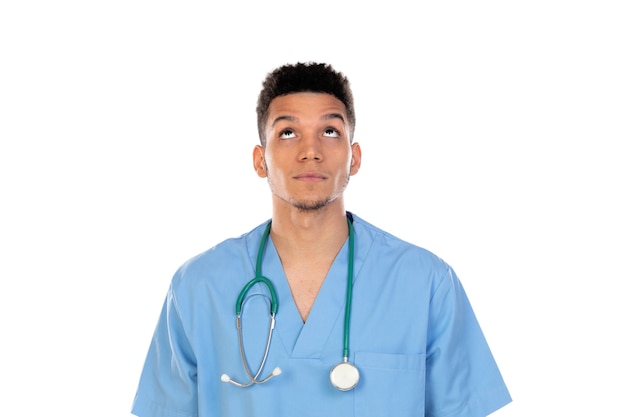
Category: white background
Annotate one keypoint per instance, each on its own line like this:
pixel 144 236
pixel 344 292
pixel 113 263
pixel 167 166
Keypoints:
pixel 492 134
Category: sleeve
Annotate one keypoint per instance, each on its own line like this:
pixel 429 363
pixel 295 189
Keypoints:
pixel 462 378
pixel 168 382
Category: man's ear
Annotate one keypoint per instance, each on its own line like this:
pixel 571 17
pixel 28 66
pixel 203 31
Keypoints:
pixel 258 159
pixel 355 163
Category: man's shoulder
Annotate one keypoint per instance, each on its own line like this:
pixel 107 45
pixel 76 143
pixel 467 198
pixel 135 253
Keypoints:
pixel 373 232
pixel 225 251
pixel 388 243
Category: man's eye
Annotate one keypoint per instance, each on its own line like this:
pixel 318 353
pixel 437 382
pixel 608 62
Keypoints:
pixel 287 134
pixel 330 132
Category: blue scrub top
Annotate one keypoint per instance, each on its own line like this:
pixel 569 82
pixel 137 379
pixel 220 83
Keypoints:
pixel 413 336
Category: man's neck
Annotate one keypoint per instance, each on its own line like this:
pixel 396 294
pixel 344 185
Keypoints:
pixel 307 245
pixel 309 231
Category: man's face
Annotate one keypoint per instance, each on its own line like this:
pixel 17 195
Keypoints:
pixel 307 158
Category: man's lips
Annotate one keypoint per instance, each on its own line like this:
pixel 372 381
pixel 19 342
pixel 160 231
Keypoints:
pixel 310 177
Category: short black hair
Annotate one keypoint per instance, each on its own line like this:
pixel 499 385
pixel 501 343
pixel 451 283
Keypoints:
pixel 304 77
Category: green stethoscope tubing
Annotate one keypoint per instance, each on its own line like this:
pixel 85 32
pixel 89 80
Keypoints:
pixel 254 378
pixel 346 317
pixel 259 278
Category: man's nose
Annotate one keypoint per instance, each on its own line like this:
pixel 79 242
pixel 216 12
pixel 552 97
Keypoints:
pixel 310 148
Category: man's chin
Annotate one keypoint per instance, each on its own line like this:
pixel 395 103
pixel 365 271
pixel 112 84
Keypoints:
pixel 311 205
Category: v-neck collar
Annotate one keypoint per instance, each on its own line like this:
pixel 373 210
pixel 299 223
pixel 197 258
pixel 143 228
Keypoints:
pixel 307 340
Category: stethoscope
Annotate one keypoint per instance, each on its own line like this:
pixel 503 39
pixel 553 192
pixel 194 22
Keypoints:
pixel 344 376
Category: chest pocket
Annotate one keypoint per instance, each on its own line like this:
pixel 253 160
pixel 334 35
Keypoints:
pixel 390 385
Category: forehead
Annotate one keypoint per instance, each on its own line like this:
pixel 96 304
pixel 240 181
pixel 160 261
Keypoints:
pixel 305 105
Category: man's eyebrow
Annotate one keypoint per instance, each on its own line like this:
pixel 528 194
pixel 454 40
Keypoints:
pixel 287 118
pixel 330 116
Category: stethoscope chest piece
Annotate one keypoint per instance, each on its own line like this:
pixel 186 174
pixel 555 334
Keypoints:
pixel 344 376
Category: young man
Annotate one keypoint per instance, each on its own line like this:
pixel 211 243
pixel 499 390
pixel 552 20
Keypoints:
pixel 316 312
